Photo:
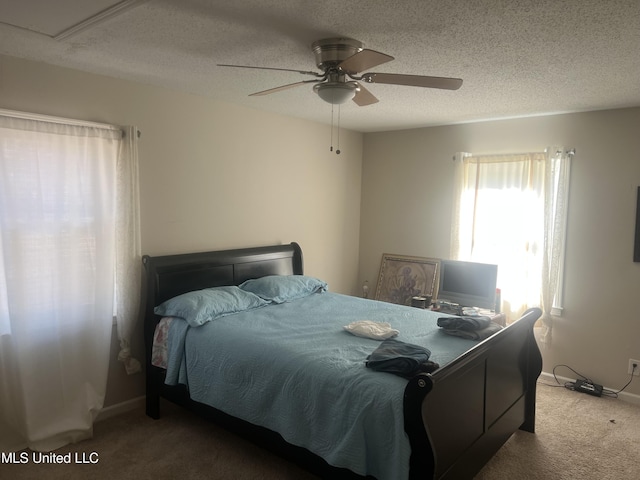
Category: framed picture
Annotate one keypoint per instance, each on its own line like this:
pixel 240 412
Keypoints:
pixel 403 277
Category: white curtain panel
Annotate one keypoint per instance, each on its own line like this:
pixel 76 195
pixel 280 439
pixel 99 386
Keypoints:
pixel 556 205
pixel 129 252
pixel 460 183
pixel 57 247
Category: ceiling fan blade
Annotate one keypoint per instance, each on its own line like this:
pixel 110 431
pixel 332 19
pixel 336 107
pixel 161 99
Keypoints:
pixel 304 72
pixel 364 97
pixel 282 87
pixel 363 60
pixel 413 80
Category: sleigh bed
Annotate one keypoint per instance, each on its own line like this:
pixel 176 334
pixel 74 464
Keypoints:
pixel 441 425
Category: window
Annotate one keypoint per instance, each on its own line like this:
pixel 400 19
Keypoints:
pixel 61 215
pixel 511 210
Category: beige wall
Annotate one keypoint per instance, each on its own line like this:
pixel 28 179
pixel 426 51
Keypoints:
pixel 213 175
pixel 406 209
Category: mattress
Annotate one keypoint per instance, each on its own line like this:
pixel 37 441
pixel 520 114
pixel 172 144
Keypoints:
pixel 294 369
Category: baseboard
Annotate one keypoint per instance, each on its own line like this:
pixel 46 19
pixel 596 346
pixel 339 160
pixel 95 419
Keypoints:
pixel 624 396
pixel 120 408
pixel 629 397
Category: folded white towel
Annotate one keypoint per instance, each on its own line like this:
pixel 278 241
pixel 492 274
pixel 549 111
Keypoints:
pixel 371 329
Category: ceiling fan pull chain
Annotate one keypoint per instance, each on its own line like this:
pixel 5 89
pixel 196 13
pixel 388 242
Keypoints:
pixel 338 149
pixel 331 148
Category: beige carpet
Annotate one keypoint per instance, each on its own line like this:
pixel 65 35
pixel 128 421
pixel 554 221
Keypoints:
pixel 578 436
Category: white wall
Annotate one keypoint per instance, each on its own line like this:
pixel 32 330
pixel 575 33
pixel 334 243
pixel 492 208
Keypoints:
pixel 406 209
pixel 213 175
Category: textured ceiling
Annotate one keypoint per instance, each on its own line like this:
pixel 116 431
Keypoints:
pixel 517 57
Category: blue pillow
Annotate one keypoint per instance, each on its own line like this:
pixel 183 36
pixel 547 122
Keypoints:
pixel 284 288
pixel 202 306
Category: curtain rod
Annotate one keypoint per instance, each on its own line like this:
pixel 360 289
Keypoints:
pixel 52 119
pixel 62 120
pixel 510 154
pixel 467 154
pixel 138 132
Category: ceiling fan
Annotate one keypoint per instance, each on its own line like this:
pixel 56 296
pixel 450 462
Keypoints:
pixel 342 60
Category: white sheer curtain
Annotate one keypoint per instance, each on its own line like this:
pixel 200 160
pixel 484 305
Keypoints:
pixel 129 252
pixel 58 187
pixel 511 210
pixel 556 206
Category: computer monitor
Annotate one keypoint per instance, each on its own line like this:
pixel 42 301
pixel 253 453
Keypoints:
pixel 469 284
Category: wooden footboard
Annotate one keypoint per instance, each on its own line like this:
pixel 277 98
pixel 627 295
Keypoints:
pixel 458 417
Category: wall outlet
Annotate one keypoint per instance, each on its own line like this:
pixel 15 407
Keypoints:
pixel 635 372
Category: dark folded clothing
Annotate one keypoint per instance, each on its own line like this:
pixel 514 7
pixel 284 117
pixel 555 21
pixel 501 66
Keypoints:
pixel 400 358
pixel 475 334
pixel 466 323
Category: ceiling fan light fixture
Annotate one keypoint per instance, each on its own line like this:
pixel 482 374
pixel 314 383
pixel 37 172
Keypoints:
pixel 341 58
pixel 336 93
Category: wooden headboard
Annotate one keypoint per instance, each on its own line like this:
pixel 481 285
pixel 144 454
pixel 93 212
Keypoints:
pixel 171 275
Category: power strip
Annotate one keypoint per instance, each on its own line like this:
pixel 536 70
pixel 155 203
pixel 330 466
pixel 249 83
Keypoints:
pixel 588 387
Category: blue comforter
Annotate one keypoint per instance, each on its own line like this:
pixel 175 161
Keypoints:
pixel 292 368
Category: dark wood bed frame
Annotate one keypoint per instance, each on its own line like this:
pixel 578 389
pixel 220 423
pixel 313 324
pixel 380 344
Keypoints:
pixel 456 418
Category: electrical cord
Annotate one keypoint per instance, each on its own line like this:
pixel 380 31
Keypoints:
pixel 564 385
pixel 615 394
pixel 572 385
